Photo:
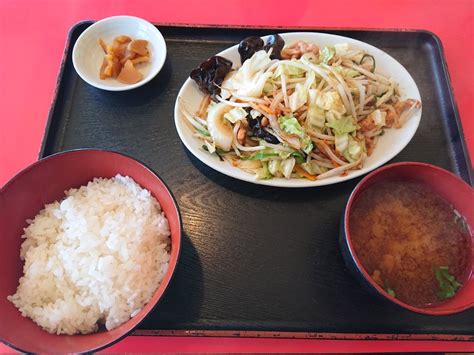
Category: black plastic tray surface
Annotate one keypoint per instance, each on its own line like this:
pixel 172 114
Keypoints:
pixel 257 258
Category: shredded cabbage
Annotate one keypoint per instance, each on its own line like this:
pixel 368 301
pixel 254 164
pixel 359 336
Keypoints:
pixel 312 167
pixel 326 54
pixel 342 125
pixel 286 167
pixel 291 125
pixel 379 118
pixel 274 166
pixel 315 117
pixel 290 70
pixel 236 114
pixel 251 78
pixel 342 142
pixel 300 96
pixel 307 144
pixel 255 114
pixel 330 101
pixel 341 49
pixel 347 72
pixel 263 173
pixel 354 150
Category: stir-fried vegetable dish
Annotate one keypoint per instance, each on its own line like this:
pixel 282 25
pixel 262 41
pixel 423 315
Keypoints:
pixel 296 111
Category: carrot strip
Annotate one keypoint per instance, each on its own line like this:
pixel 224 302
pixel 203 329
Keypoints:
pixel 300 171
pixel 203 107
pixel 266 109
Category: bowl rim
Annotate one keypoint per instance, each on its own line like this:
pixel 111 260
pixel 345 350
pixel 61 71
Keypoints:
pixel 172 271
pixel 161 44
pixel 353 254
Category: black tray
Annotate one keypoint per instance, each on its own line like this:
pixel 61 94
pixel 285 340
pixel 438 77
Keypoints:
pixel 259 261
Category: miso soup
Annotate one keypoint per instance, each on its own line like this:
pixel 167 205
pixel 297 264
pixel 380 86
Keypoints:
pixel 411 241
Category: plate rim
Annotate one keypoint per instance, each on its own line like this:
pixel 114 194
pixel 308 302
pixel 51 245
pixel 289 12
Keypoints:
pixel 236 173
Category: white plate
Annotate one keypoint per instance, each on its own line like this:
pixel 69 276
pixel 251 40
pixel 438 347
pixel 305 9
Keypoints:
pixel 389 145
pixel 87 55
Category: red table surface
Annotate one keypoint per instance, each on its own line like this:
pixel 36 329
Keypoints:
pixel 32 39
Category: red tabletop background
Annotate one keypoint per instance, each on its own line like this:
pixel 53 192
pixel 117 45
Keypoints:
pixel 32 39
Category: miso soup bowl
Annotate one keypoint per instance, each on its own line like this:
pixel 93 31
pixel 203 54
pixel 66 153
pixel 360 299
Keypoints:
pixel 24 196
pixel 454 190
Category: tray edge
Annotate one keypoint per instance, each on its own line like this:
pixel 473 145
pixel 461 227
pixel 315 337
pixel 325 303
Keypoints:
pixel 273 334
pixel 66 50
pixel 303 335
pixel 451 95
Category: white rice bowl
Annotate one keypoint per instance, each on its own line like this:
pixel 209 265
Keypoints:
pixel 94 258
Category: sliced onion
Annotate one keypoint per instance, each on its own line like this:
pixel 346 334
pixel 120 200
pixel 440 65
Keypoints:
pixel 240 146
pixel 231 103
pixel 191 119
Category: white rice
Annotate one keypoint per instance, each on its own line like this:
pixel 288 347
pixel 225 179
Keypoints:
pixel 94 258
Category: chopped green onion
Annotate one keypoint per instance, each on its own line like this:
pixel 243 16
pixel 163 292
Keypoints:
pixel 218 152
pixel 391 292
pixel 203 132
pixel 370 57
pixel 300 157
pixel 259 156
pixel 448 285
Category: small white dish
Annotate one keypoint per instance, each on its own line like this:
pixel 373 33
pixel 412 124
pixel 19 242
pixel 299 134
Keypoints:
pixel 87 55
pixel 388 146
